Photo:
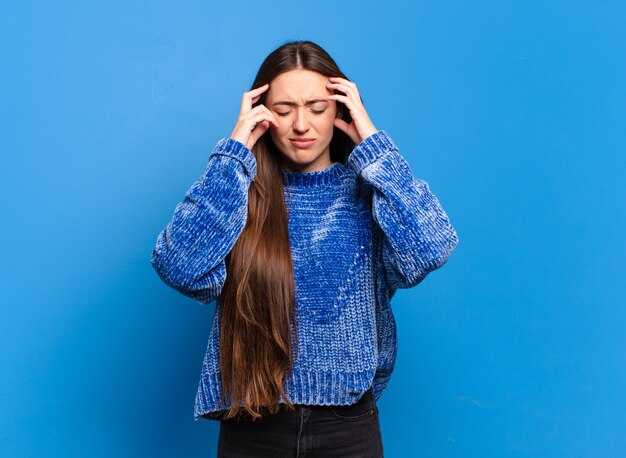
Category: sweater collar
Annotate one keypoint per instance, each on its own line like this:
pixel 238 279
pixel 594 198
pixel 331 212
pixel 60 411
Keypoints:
pixel 327 176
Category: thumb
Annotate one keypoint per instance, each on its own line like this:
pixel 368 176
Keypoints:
pixel 342 125
pixel 259 130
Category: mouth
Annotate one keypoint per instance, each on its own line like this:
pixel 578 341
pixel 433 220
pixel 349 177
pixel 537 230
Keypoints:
pixel 302 142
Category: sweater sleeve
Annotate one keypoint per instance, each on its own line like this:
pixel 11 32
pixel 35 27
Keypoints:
pixel 417 235
pixel 190 252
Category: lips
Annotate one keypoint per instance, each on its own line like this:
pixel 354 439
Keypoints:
pixel 302 143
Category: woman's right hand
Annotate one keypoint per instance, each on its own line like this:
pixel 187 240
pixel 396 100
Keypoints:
pixel 252 122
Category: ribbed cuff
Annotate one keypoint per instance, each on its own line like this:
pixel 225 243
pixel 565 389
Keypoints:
pixel 370 149
pixel 236 149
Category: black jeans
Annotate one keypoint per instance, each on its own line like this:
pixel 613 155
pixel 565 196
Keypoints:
pixel 309 431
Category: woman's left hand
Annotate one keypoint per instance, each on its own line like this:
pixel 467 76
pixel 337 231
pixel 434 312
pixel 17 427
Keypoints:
pixel 361 126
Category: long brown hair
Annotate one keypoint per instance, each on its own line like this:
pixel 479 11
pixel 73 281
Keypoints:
pixel 258 327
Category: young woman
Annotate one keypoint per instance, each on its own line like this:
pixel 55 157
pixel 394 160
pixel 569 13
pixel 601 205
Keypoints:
pixel 302 227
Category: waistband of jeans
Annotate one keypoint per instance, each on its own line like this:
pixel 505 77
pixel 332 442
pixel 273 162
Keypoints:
pixel 368 396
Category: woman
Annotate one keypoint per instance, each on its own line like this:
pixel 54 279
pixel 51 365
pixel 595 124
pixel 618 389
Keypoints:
pixel 303 225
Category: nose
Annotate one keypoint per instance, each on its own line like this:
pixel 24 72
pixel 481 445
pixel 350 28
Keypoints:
pixel 301 123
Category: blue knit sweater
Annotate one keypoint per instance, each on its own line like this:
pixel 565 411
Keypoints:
pixel 353 246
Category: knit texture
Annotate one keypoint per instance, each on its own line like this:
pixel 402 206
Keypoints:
pixel 354 243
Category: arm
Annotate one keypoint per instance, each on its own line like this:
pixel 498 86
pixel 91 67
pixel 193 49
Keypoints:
pixel 417 235
pixel 189 253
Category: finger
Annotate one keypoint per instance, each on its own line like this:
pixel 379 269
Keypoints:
pixel 347 101
pixel 342 125
pixel 262 127
pixel 269 115
pixel 248 98
pixel 258 131
pixel 343 87
pixel 339 78
pixel 261 115
pixel 258 89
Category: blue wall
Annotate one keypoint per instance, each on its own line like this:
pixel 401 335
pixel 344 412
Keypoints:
pixel 513 112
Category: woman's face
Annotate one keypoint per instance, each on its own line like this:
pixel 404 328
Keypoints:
pixel 297 99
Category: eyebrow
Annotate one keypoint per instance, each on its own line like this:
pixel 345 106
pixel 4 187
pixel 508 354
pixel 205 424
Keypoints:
pixel 290 103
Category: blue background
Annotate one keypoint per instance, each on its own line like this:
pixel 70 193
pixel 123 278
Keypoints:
pixel 513 112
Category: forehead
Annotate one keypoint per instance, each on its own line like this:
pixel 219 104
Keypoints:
pixel 298 85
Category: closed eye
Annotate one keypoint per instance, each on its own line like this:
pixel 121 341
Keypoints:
pixel 314 111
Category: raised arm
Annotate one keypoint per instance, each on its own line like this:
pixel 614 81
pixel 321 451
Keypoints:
pixel 189 253
pixel 417 235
